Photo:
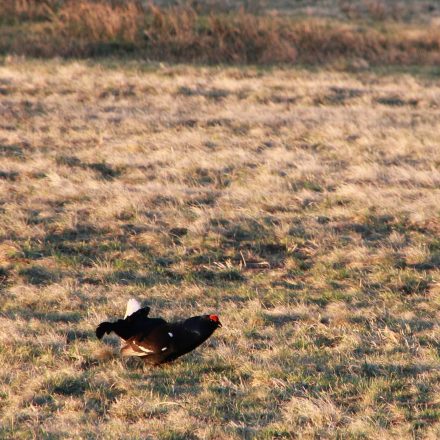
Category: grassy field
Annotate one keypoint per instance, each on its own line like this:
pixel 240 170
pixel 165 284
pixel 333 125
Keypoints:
pixel 302 206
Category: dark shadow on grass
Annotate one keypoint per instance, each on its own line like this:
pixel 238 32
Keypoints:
pixel 79 335
pixel 9 175
pixel 374 230
pixel 11 151
pixel 129 277
pixel 433 262
pixel 279 320
pixel 212 277
pixel 80 242
pixel 251 242
pixel 339 96
pixel 106 171
pixel 396 101
pixel 4 276
pixel 103 170
pixel 39 275
pixel 395 324
pixel 55 317
pixel 288 285
pixel 369 369
pixel 71 387
pixel 159 379
pixel 86 245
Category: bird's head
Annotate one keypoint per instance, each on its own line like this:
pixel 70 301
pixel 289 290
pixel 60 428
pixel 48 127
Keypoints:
pixel 214 318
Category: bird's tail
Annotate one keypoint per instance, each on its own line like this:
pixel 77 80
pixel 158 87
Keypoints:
pixel 104 327
pixel 133 305
pixel 135 322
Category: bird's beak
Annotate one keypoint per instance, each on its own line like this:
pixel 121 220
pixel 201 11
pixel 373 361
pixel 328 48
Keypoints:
pixel 219 324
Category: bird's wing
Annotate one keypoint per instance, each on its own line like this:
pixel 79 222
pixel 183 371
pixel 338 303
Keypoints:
pixel 139 314
pixel 156 341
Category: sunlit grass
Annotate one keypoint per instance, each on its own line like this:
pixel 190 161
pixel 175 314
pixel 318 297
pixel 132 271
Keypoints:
pixel 305 214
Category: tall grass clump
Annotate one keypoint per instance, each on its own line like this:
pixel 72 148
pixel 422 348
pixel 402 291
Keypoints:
pixel 16 11
pixel 85 25
pixel 188 33
pixel 181 33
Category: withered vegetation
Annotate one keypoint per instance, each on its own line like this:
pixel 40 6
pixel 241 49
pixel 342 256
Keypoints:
pixel 301 206
pixel 353 33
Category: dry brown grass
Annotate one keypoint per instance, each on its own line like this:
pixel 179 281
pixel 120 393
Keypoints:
pixel 365 32
pixel 303 207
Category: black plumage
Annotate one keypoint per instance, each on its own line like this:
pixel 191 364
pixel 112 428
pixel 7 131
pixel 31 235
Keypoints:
pixel 155 340
pixel 132 325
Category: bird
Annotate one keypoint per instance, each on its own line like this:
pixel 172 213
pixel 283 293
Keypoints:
pixel 155 340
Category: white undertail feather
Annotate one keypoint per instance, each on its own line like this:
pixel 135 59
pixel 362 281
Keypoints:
pixel 133 305
pixel 126 350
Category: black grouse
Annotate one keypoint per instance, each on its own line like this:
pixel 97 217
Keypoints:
pixel 155 340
